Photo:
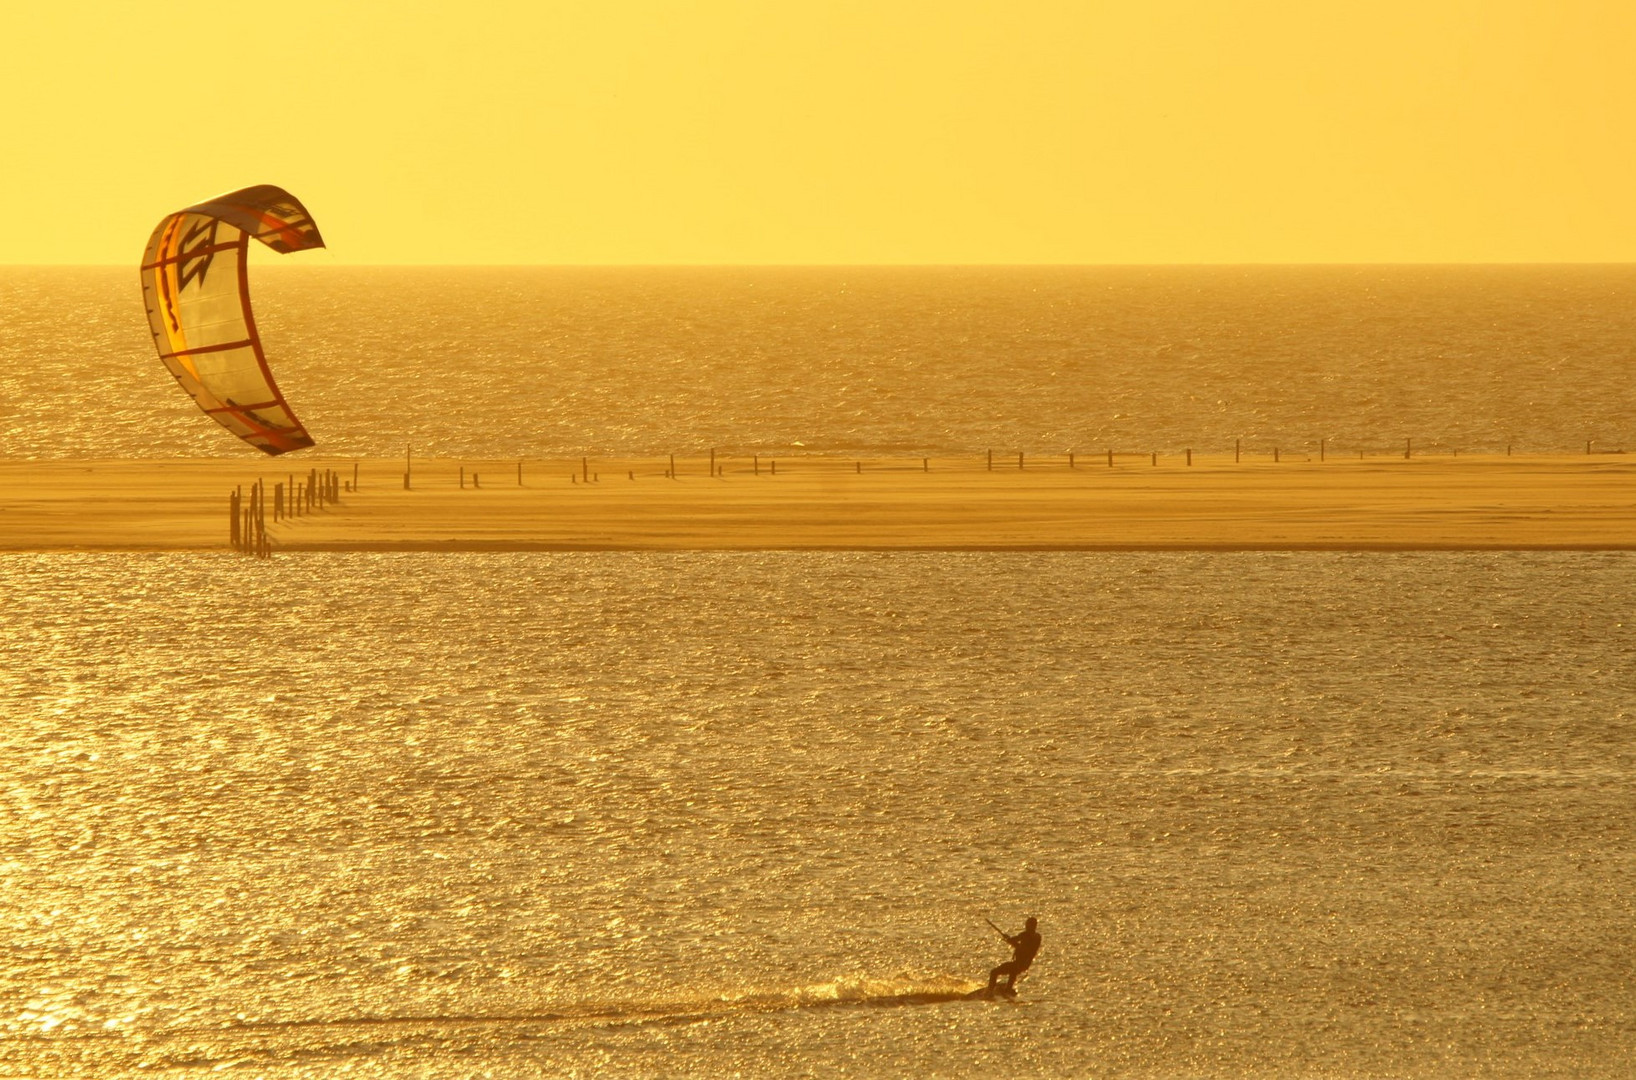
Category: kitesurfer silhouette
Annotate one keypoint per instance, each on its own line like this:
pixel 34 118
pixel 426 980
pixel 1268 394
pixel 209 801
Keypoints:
pixel 1024 947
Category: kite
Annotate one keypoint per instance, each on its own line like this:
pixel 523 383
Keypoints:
pixel 197 292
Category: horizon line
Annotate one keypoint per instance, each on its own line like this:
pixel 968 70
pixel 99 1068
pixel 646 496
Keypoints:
pixel 334 264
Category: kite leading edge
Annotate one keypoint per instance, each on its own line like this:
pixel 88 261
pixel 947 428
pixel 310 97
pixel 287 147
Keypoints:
pixel 197 292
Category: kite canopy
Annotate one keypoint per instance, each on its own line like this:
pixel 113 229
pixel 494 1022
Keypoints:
pixel 197 292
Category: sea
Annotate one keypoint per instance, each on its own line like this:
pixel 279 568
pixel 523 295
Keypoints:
pixel 751 814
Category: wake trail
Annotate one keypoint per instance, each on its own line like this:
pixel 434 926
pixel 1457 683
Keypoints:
pixel 841 994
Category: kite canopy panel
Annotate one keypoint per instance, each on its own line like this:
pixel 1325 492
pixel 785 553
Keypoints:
pixel 197 291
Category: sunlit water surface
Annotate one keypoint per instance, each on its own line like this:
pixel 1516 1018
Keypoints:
pixel 711 815
pixel 521 362
pixel 744 814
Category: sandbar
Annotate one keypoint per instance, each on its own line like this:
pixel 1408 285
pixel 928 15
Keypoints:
pixel 1564 502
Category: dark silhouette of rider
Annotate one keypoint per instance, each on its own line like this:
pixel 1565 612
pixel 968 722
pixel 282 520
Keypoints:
pixel 1024 947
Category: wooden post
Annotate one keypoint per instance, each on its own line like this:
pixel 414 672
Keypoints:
pixel 1320 449
pixel 1070 459
pixel 775 466
pixel 859 464
pixel 354 476
pixel 756 461
pixel 1019 461
pixel 406 481
pixel 1238 445
pixel 278 501
pixel 233 518
pixel 1190 457
pixel 1507 449
pixel 1110 457
pixel 672 472
pixel 1275 454
pixel 408 467
pixel 585 469
pixel 925 464
pixel 519 474
pixel 1155 457
pixel 474 481
pixel 1587 446
pixel 1408 448
pixel 991 461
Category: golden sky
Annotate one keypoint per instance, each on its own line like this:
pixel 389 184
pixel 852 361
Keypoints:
pixel 832 131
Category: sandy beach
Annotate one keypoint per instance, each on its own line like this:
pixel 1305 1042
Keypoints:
pixel 1466 502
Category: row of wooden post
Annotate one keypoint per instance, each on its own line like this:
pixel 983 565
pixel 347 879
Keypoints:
pixel 584 475
pixel 320 489
pixel 247 521
pixel 247 528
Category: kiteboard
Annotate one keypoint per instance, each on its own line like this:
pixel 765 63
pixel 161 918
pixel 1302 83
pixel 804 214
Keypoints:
pixel 997 992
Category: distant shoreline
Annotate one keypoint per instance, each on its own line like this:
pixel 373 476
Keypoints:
pixel 830 503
